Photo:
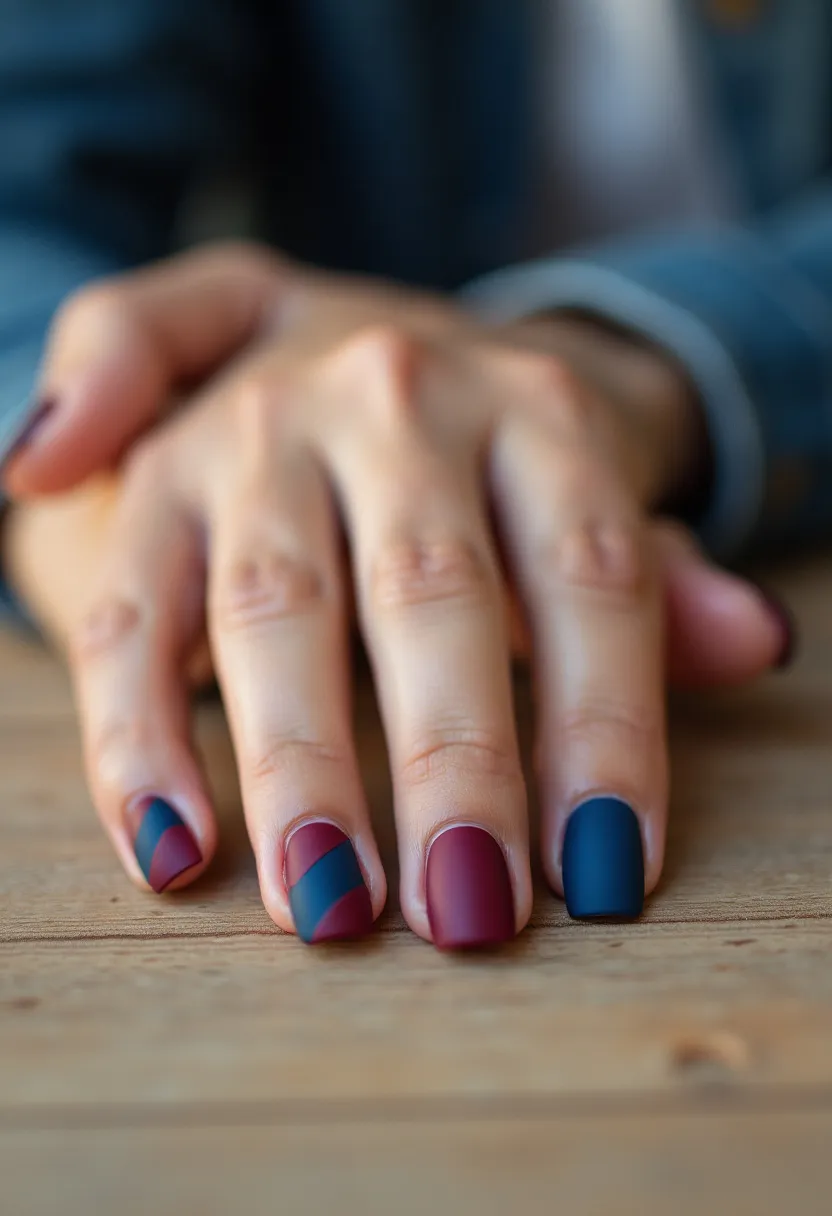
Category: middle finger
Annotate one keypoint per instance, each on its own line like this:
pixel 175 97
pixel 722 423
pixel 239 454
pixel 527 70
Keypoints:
pixel 432 611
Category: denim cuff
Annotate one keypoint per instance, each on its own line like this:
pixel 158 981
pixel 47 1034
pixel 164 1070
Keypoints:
pixel 755 340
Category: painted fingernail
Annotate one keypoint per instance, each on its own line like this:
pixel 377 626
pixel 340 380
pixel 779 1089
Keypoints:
pixel 30 426
pixel 327 893
pixel 163 844
pixel 603 861
pixel 786 624
pixel 468 888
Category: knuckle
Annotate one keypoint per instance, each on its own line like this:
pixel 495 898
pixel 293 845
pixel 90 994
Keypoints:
pixel 287 758
pixel 407 574
pixel 115 746
pixel 386 359
pixel 608 557
pixel 256 399
pixel 239 253
pixel 635 728
pixel 552 383
pixel 464 753
pixel 111 623
pixel 95 306
pixel 268 586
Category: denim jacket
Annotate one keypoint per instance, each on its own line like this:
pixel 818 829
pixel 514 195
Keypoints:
pixel 391 136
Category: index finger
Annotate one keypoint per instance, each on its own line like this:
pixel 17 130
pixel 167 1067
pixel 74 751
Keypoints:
pixel 120 347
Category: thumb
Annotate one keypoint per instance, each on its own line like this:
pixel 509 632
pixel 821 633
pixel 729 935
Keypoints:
pixel 721 629
pixel 120 348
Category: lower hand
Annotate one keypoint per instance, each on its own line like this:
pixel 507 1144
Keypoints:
pixel 468 469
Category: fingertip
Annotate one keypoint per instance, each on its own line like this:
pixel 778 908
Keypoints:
pixel 721 628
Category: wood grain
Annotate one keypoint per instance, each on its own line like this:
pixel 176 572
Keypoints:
pixel 182 1055
pixel 741 1165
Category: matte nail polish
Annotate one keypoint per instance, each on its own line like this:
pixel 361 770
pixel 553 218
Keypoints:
pixel 29 427
pixel 603 861
pixel 163 844
pixel 788 627
pixel 468 889
pixel 327 893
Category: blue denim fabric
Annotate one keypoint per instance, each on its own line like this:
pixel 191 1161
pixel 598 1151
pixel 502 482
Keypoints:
pixel 111 113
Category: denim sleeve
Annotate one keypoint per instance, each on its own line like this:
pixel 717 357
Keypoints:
pixel 109 113
pixel 748 312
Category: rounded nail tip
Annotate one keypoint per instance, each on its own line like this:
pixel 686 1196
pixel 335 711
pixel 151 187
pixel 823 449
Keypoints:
pixel 161 886
pixel 349 918
pixel 175 852
pixel 614 914
pixel 353 933
pixel 472 942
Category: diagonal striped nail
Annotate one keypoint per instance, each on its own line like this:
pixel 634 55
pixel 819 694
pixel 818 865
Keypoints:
pixel 163 844
pixel 29 427
pixel 327 893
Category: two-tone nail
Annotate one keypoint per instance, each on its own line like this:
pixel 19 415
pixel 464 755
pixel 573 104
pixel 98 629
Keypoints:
pixel 29 428
pixel 468 890
pixel 327 892
pixel 162 842
pixel 603 861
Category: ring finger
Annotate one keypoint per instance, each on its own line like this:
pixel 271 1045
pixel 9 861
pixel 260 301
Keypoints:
pixel 585 571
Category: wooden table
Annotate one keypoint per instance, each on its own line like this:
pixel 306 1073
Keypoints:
pixel 180 1055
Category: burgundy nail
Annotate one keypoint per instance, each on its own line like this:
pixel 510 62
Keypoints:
pixel 31 424
pixel 469 895
pixel 787 624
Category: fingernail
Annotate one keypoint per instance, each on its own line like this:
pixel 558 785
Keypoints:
pixel 603 861
pixel 327 893
pixel 786 624
pixel 468 890
pixel 29 427
pixel 163 844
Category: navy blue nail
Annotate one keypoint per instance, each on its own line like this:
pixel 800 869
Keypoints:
pixel 603 861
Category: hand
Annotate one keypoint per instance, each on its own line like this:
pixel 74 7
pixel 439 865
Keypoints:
pixel 400 419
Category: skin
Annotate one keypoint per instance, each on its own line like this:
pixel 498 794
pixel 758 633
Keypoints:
pixel 352 451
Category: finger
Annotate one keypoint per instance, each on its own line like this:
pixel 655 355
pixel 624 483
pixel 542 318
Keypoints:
pixel 431 608
pixel 721 629
pixel 592 594
pixel 279 635
pixel 121 347
pixel 128 663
